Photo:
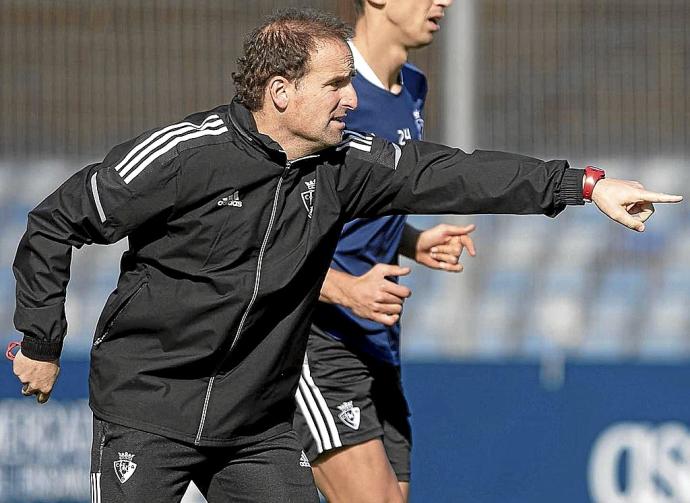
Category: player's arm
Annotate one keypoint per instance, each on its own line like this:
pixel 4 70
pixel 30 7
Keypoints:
pixel 372 295
pixel 439 247
pixel 434 179
pixel 98 204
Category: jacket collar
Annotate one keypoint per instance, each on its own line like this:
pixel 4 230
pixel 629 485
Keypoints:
pixel 243 121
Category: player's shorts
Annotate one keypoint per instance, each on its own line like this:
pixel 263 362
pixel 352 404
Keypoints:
pixel 129 465
pixel 346 399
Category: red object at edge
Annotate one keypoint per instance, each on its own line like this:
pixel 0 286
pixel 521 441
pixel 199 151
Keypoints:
pixel 10 348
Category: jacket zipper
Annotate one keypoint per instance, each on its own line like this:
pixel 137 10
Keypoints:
pixel 288 165
pixel 116 315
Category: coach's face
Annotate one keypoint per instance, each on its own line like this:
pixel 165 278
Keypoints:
pixel 416 20
pixel 321 98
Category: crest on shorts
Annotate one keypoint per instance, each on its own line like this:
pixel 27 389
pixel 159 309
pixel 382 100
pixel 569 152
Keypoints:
pixel 308 197
pixel 124 467
pixel 349 414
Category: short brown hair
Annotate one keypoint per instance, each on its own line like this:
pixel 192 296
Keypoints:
pixel 283 45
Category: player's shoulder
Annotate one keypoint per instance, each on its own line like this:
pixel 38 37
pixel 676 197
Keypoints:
pixel 358 140
pixel 414 81
pixel 369 148
pixel 411 69
pixel 160 145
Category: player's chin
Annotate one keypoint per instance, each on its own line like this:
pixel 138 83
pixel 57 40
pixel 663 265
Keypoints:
pixel 423 39
pixel 333 139
pixel 330 138
pixel 335 130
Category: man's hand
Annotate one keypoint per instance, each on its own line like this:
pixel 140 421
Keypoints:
pixel 627 202
pixel 440 247
pixel 36 376
pixel 371 296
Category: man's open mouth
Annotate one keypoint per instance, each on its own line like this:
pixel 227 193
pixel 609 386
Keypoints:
pixel 435 20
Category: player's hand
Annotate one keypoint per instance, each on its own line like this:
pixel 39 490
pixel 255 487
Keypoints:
pixel 440 247
pixel 627 202
pixel 374 297
pixel 37 377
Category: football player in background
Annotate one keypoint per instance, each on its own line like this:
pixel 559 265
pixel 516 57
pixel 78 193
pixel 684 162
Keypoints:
pixel 352 414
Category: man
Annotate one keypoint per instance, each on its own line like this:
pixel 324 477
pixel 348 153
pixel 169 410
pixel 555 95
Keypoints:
pixel 352 415
pixel 232 217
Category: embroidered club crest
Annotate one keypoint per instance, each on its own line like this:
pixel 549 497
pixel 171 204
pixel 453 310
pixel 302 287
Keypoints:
pixel 308 197
pixel 349 415
pixel 124 467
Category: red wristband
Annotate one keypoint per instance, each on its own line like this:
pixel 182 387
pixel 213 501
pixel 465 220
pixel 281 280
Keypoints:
pixel 592 176
pixel 9 353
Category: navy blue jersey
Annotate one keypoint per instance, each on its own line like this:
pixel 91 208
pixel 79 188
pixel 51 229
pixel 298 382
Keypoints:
pixel 367 242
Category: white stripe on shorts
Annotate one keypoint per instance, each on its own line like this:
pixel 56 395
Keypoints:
pixel 316 415
pixel 96 487
pixel 321 413
pixel 310 421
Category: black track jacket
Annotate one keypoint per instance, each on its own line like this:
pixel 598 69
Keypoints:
pixel 204 337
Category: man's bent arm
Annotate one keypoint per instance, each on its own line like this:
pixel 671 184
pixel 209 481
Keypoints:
pixel 95 205
pixel 372 295
pixel 334 286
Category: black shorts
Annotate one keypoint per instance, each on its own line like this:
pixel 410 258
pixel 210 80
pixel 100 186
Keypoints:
pixel 346 398
pixel 129 465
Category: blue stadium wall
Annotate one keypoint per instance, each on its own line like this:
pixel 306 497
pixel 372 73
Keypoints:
pixel 483 433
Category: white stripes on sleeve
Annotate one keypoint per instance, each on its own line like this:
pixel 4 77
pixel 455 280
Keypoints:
pixel 359 141
pixel 352 139
pixel 163 141
pixel 316 412
pixel 96 198
pixel 160 142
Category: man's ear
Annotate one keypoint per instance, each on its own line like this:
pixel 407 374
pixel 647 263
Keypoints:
pixel 278 90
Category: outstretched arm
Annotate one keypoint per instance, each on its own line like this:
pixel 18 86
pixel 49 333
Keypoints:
pixel 426 178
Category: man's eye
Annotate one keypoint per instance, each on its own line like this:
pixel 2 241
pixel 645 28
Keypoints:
pixel 338 84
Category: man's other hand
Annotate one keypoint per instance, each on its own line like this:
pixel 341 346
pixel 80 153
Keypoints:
pixel 37 377
pixel 441 246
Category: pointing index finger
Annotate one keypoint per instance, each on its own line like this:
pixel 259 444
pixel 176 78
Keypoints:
pixel 659 197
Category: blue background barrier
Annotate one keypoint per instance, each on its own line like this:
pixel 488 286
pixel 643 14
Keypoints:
pixel 483 433
pixel 489 433
pixel 45 449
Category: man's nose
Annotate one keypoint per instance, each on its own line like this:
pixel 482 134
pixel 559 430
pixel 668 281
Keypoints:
pixel 349 97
